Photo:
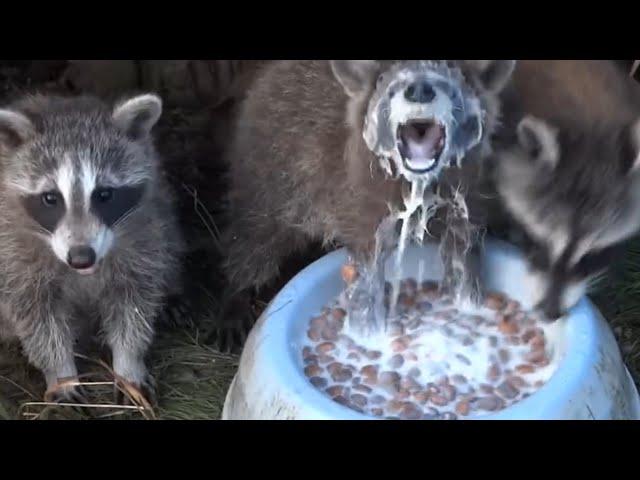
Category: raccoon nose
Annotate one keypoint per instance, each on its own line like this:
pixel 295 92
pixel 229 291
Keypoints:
pixel 420 92
pixel 81 257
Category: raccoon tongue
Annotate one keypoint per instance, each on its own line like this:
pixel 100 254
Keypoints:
pixel 422 143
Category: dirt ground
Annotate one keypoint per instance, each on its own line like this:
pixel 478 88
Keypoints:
pixel 192 378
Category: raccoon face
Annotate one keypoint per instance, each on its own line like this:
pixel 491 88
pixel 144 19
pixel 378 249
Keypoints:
pixel 576 193
pixel 420 117
pixel 79 176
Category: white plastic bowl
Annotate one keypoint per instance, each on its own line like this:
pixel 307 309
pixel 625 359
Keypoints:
pixel 591 382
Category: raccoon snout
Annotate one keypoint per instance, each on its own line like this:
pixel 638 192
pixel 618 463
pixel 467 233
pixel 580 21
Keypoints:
pixel 81 257
pixel 420 92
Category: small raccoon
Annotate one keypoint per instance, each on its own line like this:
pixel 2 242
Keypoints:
pixel 567 172
pixel 301 164
pixel 88 234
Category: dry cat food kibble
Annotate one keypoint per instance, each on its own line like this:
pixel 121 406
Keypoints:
pixel 434 361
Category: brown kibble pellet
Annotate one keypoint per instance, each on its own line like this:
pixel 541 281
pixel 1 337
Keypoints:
pixel 528 335
pixel 535 357
pixel 311 359
pixel 421 397
pixel 411 357
pixel 538 384
pixel 463 359
pixel 398 345
pixel 319 322
pixel 353 356
pixel 325 347
pixel 377 399
pixel 494 301
pixel 504 355
pixel 313 334
pixel 493 341
pixel 506 390
pixel 306 351
pixel 335 390
pixel 324 359
pixel 396 361
pixel 362 388
pixel 329 334
pixel 318 382
pixel 341 400
pixel 401 395
pixel 486 388
pixel 467 341
pixel 511 307
pixel 537 343
pixel 524 369
pixel 459 379
pixel 338 313
pixel 389 377
pixel 373 355
pixel 517 382
pixel 359 400
pixel 449 392
pixel 342 375
pixel 378 412
pixel 312 371
pixel 408 383
pixel 334 367
pixel 349 274
pixel 494 372
pixel 414 372
pixel 410 411
pixel 489 403
pixel 369 371
pixel 463 408
pixel 433 389
pixel 507 326
pixel 395 405
pixel 438 400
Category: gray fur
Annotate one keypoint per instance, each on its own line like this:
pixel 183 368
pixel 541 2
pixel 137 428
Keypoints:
pixel 565 170
pixel 46 304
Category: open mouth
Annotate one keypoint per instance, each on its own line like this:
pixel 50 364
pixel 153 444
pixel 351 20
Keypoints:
pixel 420 144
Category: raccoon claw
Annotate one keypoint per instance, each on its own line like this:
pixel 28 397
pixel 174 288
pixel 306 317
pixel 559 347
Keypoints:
pixel 143 395
pixel 232 325
pixel 66 391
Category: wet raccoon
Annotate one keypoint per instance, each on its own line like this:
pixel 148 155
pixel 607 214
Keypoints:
pixel 567 172
pixel 302 167
pixel 88 235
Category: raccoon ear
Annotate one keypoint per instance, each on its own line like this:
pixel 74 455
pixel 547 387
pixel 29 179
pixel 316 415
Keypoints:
pixel 355 76
pixel 15 129
pixel 137 116
pixel 493 74
pixel 539 139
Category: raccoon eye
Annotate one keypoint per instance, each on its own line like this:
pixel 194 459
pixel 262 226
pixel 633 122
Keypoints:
pixel 50 199
pixel 104 195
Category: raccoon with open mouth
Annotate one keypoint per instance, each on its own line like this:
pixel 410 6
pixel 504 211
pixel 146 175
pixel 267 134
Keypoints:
pixel 88 233
pixel 567 172
pixel 322 148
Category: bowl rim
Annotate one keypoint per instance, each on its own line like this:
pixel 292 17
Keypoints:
pixel 582 330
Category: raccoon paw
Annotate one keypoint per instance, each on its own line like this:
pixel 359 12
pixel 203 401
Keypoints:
pixel 66 391
pixel 232 325
pixel 129 393
pixel 177 312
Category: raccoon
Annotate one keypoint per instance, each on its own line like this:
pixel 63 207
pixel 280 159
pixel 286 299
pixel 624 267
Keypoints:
pixel 302 165
pixel 567 172
pixel 88 233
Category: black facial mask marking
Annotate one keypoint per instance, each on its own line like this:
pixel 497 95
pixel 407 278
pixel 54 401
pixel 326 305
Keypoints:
pixel 111 204
pixel 45 208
